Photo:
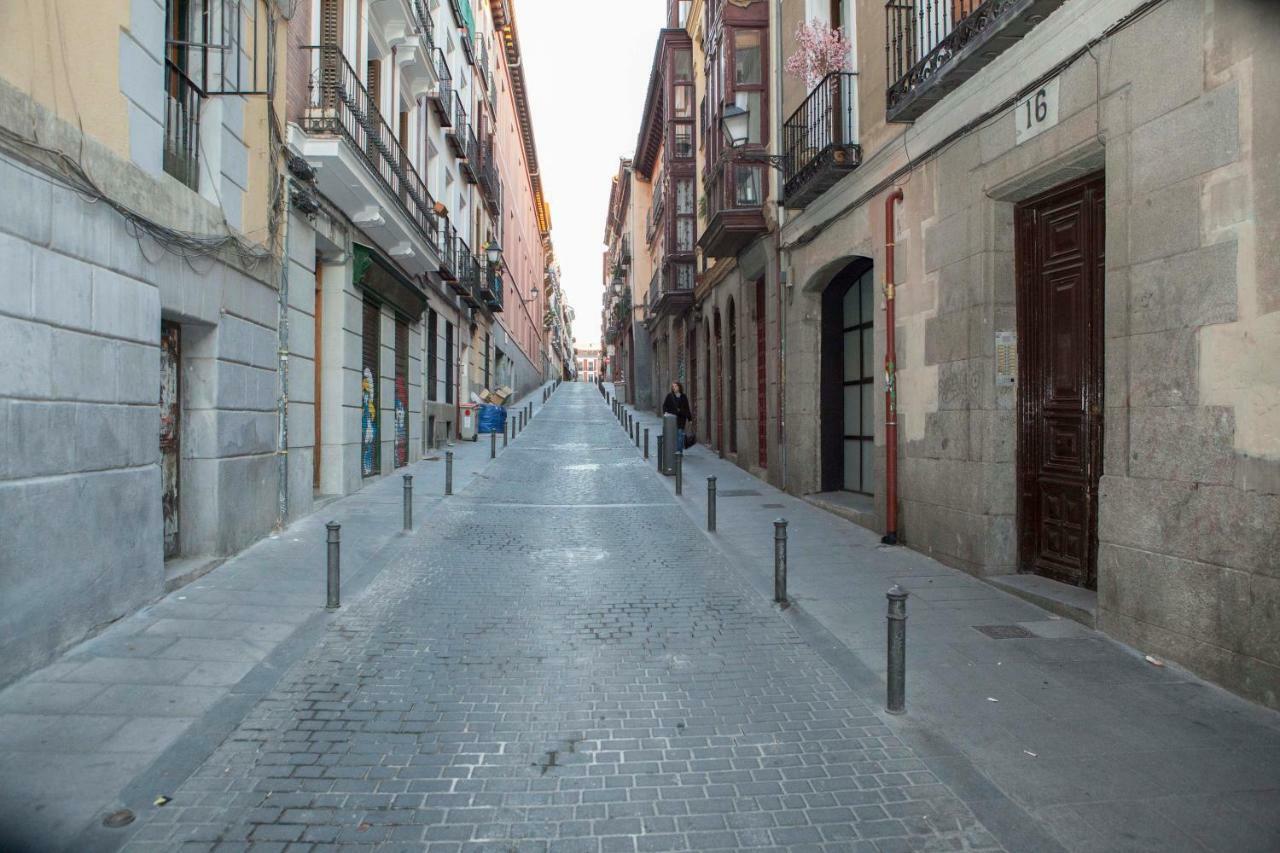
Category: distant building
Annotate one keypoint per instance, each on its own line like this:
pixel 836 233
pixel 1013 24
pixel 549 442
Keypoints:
pixel 588 363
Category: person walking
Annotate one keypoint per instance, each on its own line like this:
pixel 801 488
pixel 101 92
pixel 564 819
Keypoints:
pixel 676 403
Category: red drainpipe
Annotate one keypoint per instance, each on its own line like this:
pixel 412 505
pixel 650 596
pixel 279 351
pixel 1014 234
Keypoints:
pixel 890 379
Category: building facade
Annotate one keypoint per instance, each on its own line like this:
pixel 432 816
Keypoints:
pixel 1061 211
pixel 588 364
pixel 247 285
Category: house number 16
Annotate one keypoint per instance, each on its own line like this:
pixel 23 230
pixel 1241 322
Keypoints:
pixel 1037 112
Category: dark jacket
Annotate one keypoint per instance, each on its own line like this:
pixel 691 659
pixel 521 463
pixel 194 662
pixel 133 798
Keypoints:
pixel 678 406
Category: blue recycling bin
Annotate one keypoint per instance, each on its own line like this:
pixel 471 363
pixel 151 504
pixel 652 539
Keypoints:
pixel 492 419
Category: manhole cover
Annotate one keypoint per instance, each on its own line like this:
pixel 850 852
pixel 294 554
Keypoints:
pixel 115 820
pixel 738 493
pixel 1004 632
pixel 771 506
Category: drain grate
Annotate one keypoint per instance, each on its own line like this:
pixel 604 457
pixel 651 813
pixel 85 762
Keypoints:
pixel 1004 632
pixel 771 506
pixel 738 493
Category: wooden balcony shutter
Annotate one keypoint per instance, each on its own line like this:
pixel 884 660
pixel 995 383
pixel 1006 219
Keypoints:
pixel 330 36
pixel 375 84
pixel 331 22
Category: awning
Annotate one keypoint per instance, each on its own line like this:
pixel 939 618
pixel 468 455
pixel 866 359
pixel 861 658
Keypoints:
pixel 467 19
pixel 376 274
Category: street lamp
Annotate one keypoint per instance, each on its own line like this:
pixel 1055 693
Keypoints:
pixel 494 252
pixel 533 294
pixel 735 124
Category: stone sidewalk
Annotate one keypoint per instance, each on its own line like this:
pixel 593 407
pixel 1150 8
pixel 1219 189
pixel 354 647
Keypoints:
pixel 128 714
pixel 1101 750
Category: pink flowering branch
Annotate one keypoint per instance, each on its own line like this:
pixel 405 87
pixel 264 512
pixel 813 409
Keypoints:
pixel 820 50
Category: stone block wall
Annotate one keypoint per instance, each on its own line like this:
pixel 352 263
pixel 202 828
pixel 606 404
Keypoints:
pixel 1189 548
pixel 81 305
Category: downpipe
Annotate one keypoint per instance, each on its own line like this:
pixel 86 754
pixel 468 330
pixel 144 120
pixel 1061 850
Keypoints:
pixel 890 377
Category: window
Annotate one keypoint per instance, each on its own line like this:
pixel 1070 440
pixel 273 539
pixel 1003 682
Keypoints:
pixel 432 354
pixel 747 68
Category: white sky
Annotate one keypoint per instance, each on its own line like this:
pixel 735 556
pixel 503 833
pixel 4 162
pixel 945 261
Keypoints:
pixel 587 68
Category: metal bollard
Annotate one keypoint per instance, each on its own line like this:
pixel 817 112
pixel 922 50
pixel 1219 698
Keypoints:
pixel 637 431
pixel 780 561
pixel 334 540
pixel 659 452
pixel 646 443
pixel 448 472
pixel 493 445
pixel 679 473
pixel 408 501
pixel 711 504
pixel 896 701
pixel 506 431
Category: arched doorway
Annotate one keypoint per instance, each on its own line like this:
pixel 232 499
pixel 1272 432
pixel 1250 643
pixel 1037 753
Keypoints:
pixel 719 386
pixel 692 387
pixel 706 371
pixel 732 368
pixel 848 380
pixel 631 366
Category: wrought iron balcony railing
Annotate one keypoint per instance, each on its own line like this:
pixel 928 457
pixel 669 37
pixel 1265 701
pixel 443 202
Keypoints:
pixel 820 142
pixel 426 28
pixel 933 46
pixel 448 237
pixel 471 161
pixel 456 135
pixel 493 286
pixel 338 103
pixel 181 126
pixel 441 96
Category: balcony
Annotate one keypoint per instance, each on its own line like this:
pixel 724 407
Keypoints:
pixel 735 208
pixel 181 126
pixel 469 275
pixel 470 163
pixel 456 134
pixel 468 47
pixel 670 289
pixel 491 287
pixel 422 23
pixel 361 167
pixel 933 46
pixel 448 238
pixel 624 250
pixel 487 175
pixel 820 142
pixel 441 95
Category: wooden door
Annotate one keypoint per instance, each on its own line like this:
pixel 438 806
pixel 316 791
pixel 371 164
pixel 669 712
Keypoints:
pixel 317 409
pixel 762 404
pixel 1059 253
pixel 719 389
pixel 170 430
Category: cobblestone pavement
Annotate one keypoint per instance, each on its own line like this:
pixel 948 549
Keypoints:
pixel 562 662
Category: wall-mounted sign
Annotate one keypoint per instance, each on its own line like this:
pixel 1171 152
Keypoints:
pixel 1006 358
pixel 1036 113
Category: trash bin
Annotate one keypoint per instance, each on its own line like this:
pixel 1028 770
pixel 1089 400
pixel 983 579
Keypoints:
pixel 491 418
pixel 467 423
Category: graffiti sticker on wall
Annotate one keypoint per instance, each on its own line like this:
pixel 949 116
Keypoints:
pixel 368 424
pixel 402 422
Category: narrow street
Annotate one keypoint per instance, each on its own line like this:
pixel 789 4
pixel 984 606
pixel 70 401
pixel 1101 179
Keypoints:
pixel 568 665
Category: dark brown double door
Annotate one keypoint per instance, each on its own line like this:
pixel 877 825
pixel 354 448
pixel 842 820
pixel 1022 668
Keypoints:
pixel 1059 251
